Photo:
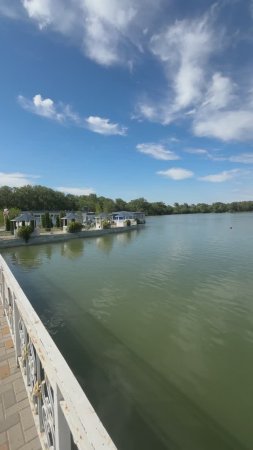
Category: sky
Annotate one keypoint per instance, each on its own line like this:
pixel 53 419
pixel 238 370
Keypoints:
pixel 128 98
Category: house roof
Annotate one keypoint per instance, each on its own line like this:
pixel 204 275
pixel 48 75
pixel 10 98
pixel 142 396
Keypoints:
pixel 70 216
pixel 102 216
pixel 122 213
pixel 24 217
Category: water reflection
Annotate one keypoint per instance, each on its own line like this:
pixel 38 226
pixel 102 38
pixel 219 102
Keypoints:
pixel 105 243
pixel 31 257
pixel 126 237
pixel 73 248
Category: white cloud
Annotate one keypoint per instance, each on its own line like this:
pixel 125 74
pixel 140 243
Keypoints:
pixel 176 173
pixel 225 125
pixel 40 10
pixel 64 114
pixel 106 27
pixel 224 114
pixel 75 190
pixel 43 107
pixel 183 49
pixel 244 158
pixel 16 179
pixel 157 151
pixel 104 126
pixel 222 176
pixel 217 106
pixel 108 31
pixel 220 93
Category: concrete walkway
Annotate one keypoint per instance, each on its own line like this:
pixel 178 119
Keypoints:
pixel 17 429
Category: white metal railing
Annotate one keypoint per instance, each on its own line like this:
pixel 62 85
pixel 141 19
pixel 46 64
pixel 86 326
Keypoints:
pixel 63 414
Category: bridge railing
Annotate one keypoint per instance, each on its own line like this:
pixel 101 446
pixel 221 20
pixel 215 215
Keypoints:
pixel 63 415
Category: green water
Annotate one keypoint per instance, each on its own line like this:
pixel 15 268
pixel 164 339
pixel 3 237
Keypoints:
pixel 157 325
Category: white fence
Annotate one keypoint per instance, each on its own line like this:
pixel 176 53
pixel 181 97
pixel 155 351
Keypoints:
pixel 63 415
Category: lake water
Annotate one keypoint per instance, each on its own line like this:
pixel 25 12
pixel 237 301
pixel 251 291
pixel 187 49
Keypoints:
pixel 157 325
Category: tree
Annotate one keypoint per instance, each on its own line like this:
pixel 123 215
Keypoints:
pixel 7 224
pixel 139 204
pixel 58 222
pixel 120 205
pixel 46 221
pixel 25 232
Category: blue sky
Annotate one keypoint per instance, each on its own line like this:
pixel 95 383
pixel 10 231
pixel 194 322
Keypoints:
pixel 128 98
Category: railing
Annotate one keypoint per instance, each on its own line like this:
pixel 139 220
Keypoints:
pixel 63 415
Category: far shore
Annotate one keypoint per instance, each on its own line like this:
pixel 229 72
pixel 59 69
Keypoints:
pixel 50 237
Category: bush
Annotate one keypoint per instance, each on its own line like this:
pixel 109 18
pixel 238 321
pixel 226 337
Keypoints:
pixel 106 224
pixel 127 223
pixel 25 232
pixel 74 227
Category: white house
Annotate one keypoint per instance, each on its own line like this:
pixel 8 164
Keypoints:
pixel 120 218
pixel 71 217
pixel 24 219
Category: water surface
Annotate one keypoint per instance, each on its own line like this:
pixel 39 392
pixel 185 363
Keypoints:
pixel 157 325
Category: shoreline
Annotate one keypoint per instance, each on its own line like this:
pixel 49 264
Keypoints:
pixel 50 238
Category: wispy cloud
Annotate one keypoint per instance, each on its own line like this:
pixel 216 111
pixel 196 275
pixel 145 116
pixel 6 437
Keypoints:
pixel 244 158
pixel 183 50
pixel 197 151
pixel 196 93
pixel 157 151
pixel 11 10
pixel 226 125
pixel 201 152
pixel 108 31
pixel 16 179
pixel 64 114
pixel 224 114
pixel 48 108
pixel 222 176
pixel 176 173
pixel 39 10
pixel 104 126
pixel 76 190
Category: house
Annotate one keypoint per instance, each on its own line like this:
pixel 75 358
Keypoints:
pixel 71 217
pixel 39 214
pixel 88 218
pixel 24 219
pixel 140 217
pixel 120 218
pixel 100 219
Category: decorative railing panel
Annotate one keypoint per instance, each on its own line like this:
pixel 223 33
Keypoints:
pixel 61 410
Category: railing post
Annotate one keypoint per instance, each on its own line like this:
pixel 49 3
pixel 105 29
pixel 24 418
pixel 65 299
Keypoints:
pixel 1 284
pixel 17 342
pixel 62 432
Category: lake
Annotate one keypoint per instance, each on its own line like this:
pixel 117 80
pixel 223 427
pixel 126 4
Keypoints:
pixel 157 325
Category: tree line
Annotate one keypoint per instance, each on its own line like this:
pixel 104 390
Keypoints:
pixel 41 198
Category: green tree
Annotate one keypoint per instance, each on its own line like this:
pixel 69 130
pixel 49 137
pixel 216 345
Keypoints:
pixel 25 232
pixel 58 222
pixel 120 205
pixel 139 204
pixel 7 224
pixel 46 221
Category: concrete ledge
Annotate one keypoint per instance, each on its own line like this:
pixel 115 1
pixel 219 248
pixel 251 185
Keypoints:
pixel 49 238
